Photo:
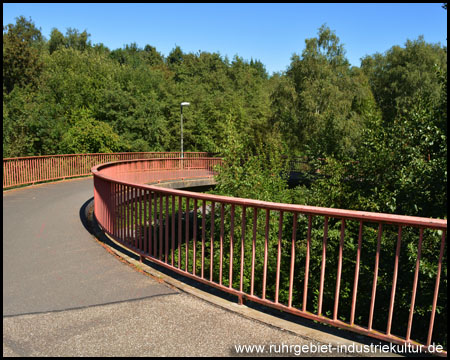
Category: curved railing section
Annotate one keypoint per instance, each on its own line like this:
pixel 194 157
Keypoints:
pixel 299 259
pixel 33 169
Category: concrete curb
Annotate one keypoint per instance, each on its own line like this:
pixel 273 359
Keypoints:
pixel 185 183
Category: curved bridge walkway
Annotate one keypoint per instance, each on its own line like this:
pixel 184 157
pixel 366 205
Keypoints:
pixel 64 295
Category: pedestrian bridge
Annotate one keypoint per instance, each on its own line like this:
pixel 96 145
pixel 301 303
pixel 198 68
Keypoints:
pixel 338 267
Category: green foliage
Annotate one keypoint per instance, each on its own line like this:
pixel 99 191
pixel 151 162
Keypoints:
pixel 57 41
pixel 261 176
pixel 401 76
pixel 400 166
pixel 323 104
pixel 175 57
pixel 73 39
pixel 87 135
pixel 22 65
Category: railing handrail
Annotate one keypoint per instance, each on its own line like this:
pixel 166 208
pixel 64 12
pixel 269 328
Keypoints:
pixel 91 154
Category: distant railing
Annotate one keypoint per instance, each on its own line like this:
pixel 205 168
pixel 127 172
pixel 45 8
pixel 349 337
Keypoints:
pixel 34 169
pixel 288 257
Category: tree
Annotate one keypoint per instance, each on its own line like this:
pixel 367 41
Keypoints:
pixel 77 40
pixel 26 31
pixel 261 175
pixel 57 41
pixel 259 67
pixel 151 56
pixel 88 135
pixel 175 57
pixel 323 103
pixel 73 39
pixel 22 65
pixel 403 75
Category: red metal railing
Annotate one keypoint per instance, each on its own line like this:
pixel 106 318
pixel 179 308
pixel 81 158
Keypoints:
pixel 244 247
pixel 33 169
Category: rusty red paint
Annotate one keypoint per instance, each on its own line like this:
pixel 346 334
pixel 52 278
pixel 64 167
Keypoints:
pixel 322 269
pixel 414 291
pixel 194 242
pixel 221 242
pixel 266 254
pixel 203 237
pixel 186 260
pixel 308 247
pixel 375 277
pixel 355 282
pixel 241 278
pixel 291 272
pixel 436 290
pixel 211 265
pixel 280 233
pixel 394 281
pixel 230 271
pixel 339 271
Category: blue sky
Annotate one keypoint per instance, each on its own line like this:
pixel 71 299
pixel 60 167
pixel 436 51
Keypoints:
pixel 270 33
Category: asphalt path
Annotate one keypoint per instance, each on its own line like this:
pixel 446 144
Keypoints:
pixel 65 295
pixel 51 262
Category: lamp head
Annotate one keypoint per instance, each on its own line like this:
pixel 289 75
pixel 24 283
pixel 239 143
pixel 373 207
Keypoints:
pixel 185 104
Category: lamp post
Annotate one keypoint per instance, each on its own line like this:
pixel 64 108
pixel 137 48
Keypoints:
pixel 182 104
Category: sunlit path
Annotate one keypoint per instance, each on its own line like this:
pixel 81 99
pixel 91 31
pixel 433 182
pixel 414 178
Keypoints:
pixel 51 262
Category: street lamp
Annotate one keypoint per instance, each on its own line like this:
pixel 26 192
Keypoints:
pixel 182 104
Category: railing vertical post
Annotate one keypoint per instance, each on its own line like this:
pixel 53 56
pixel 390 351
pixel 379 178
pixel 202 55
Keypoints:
pixel 151 225
pixel 308 249
pixel 155 224
pixel 221 242
pixel 266 254
pixel 186 262
pixel 173 231
pixel 291 272
pixel 179 230
pixel 194 240
pixel 203 238
pixel 211 264
pixel 394 281
pixel 355 282
pixel 414 291
pixel 230 272
pixel 160 227
pixel 436 290
pixel 241 280
pixel 166 247
pixel 252 281
pixel 375 277
pixel 339 272
pixel 322 269
pixel 280 233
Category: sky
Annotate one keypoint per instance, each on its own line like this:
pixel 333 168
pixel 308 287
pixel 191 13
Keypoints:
pixel 270 33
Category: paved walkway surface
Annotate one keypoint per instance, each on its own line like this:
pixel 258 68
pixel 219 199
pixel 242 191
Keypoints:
pixel 64 295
